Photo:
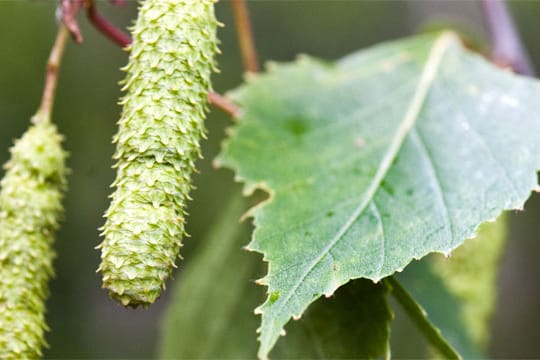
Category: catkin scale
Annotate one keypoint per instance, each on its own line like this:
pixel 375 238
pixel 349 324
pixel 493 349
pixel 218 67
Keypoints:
pixel 30 207
pixel 157 144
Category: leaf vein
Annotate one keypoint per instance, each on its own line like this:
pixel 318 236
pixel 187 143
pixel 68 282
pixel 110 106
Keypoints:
pixel 491 154
pixel 427 77
pixel 435 179
pixel 377 213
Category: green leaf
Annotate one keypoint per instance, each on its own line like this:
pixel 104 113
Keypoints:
pixel 353 323
pixel 459 292
pixel 471 276
pixel 442 308
pixel 382 157
pixel 211 312
pixel 420 318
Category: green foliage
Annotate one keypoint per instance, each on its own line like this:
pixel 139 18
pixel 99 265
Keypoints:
pixel 458 292
pixel 211 313
pixel 442 309
pixel 471 276
pixel 353 323
pixel 30 207
pixel 420 318
pixel 383 157
pixel 168 77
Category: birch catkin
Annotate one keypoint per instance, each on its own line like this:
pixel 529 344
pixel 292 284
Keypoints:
pixel 30 203
pixel 157 144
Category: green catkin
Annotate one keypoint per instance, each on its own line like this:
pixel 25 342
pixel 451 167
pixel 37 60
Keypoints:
pixel 157 144
pixel 30 206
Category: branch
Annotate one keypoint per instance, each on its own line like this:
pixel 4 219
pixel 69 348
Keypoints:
pixel 51 77
pixel 506 46
pixel 68 14
pixel 122 39
pixel 223 104
pixel 419 317
pixel 245 35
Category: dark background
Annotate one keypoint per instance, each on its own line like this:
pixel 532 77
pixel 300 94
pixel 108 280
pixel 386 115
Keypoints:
pixel 84 322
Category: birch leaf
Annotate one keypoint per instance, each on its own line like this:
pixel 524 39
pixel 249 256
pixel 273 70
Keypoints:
pixel 212 316
pixel 380 158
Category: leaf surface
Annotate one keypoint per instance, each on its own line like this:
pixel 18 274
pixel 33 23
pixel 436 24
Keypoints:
pixel 380 158
pixel 443 309
pixel 470 274
pixel 211 312
pixel 459 292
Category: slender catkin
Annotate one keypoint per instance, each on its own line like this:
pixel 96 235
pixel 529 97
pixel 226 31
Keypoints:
pixel 157 144
pixel 30 205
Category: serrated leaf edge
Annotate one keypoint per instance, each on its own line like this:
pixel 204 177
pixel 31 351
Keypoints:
pixel 434 59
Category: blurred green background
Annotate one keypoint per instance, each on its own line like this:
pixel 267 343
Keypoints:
pixel 84 322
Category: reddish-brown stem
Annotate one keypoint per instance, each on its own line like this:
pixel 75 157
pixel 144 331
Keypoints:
pixel 506 46
pixel 51 75
pixel 122 39
pixel 68 11
pixel 223 104
pixel 104 26
pixel 245 35
pixel 118 2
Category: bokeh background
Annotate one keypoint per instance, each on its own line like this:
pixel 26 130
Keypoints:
pixel 84 322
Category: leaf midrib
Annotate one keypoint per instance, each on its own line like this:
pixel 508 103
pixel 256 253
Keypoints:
pixel 426 80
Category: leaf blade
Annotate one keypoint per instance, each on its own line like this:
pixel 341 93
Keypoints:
pixel 203 303
pixel 214 319
pixel 459 292
pixel 420 317
pixel 428 184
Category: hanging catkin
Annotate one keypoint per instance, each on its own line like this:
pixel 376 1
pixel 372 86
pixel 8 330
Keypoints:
pixel 30 205
pixel 157 144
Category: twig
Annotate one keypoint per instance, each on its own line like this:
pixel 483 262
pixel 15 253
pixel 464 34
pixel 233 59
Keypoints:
pixel 245 35
pixel 223 104
pixel 118 2
pixel 419 317
pixel 68 14
pixel 122 39
pixel 104 26
pixel 506 46
pixel 51 77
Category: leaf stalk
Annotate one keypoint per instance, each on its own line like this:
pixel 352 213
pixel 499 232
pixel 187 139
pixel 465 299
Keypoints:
pixel 419 316
pixel 223 104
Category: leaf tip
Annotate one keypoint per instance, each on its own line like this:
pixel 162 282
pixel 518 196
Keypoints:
pixel 261 281
pixel 269 66
pixel 248 214
pixel 249 187
pixel 217 162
